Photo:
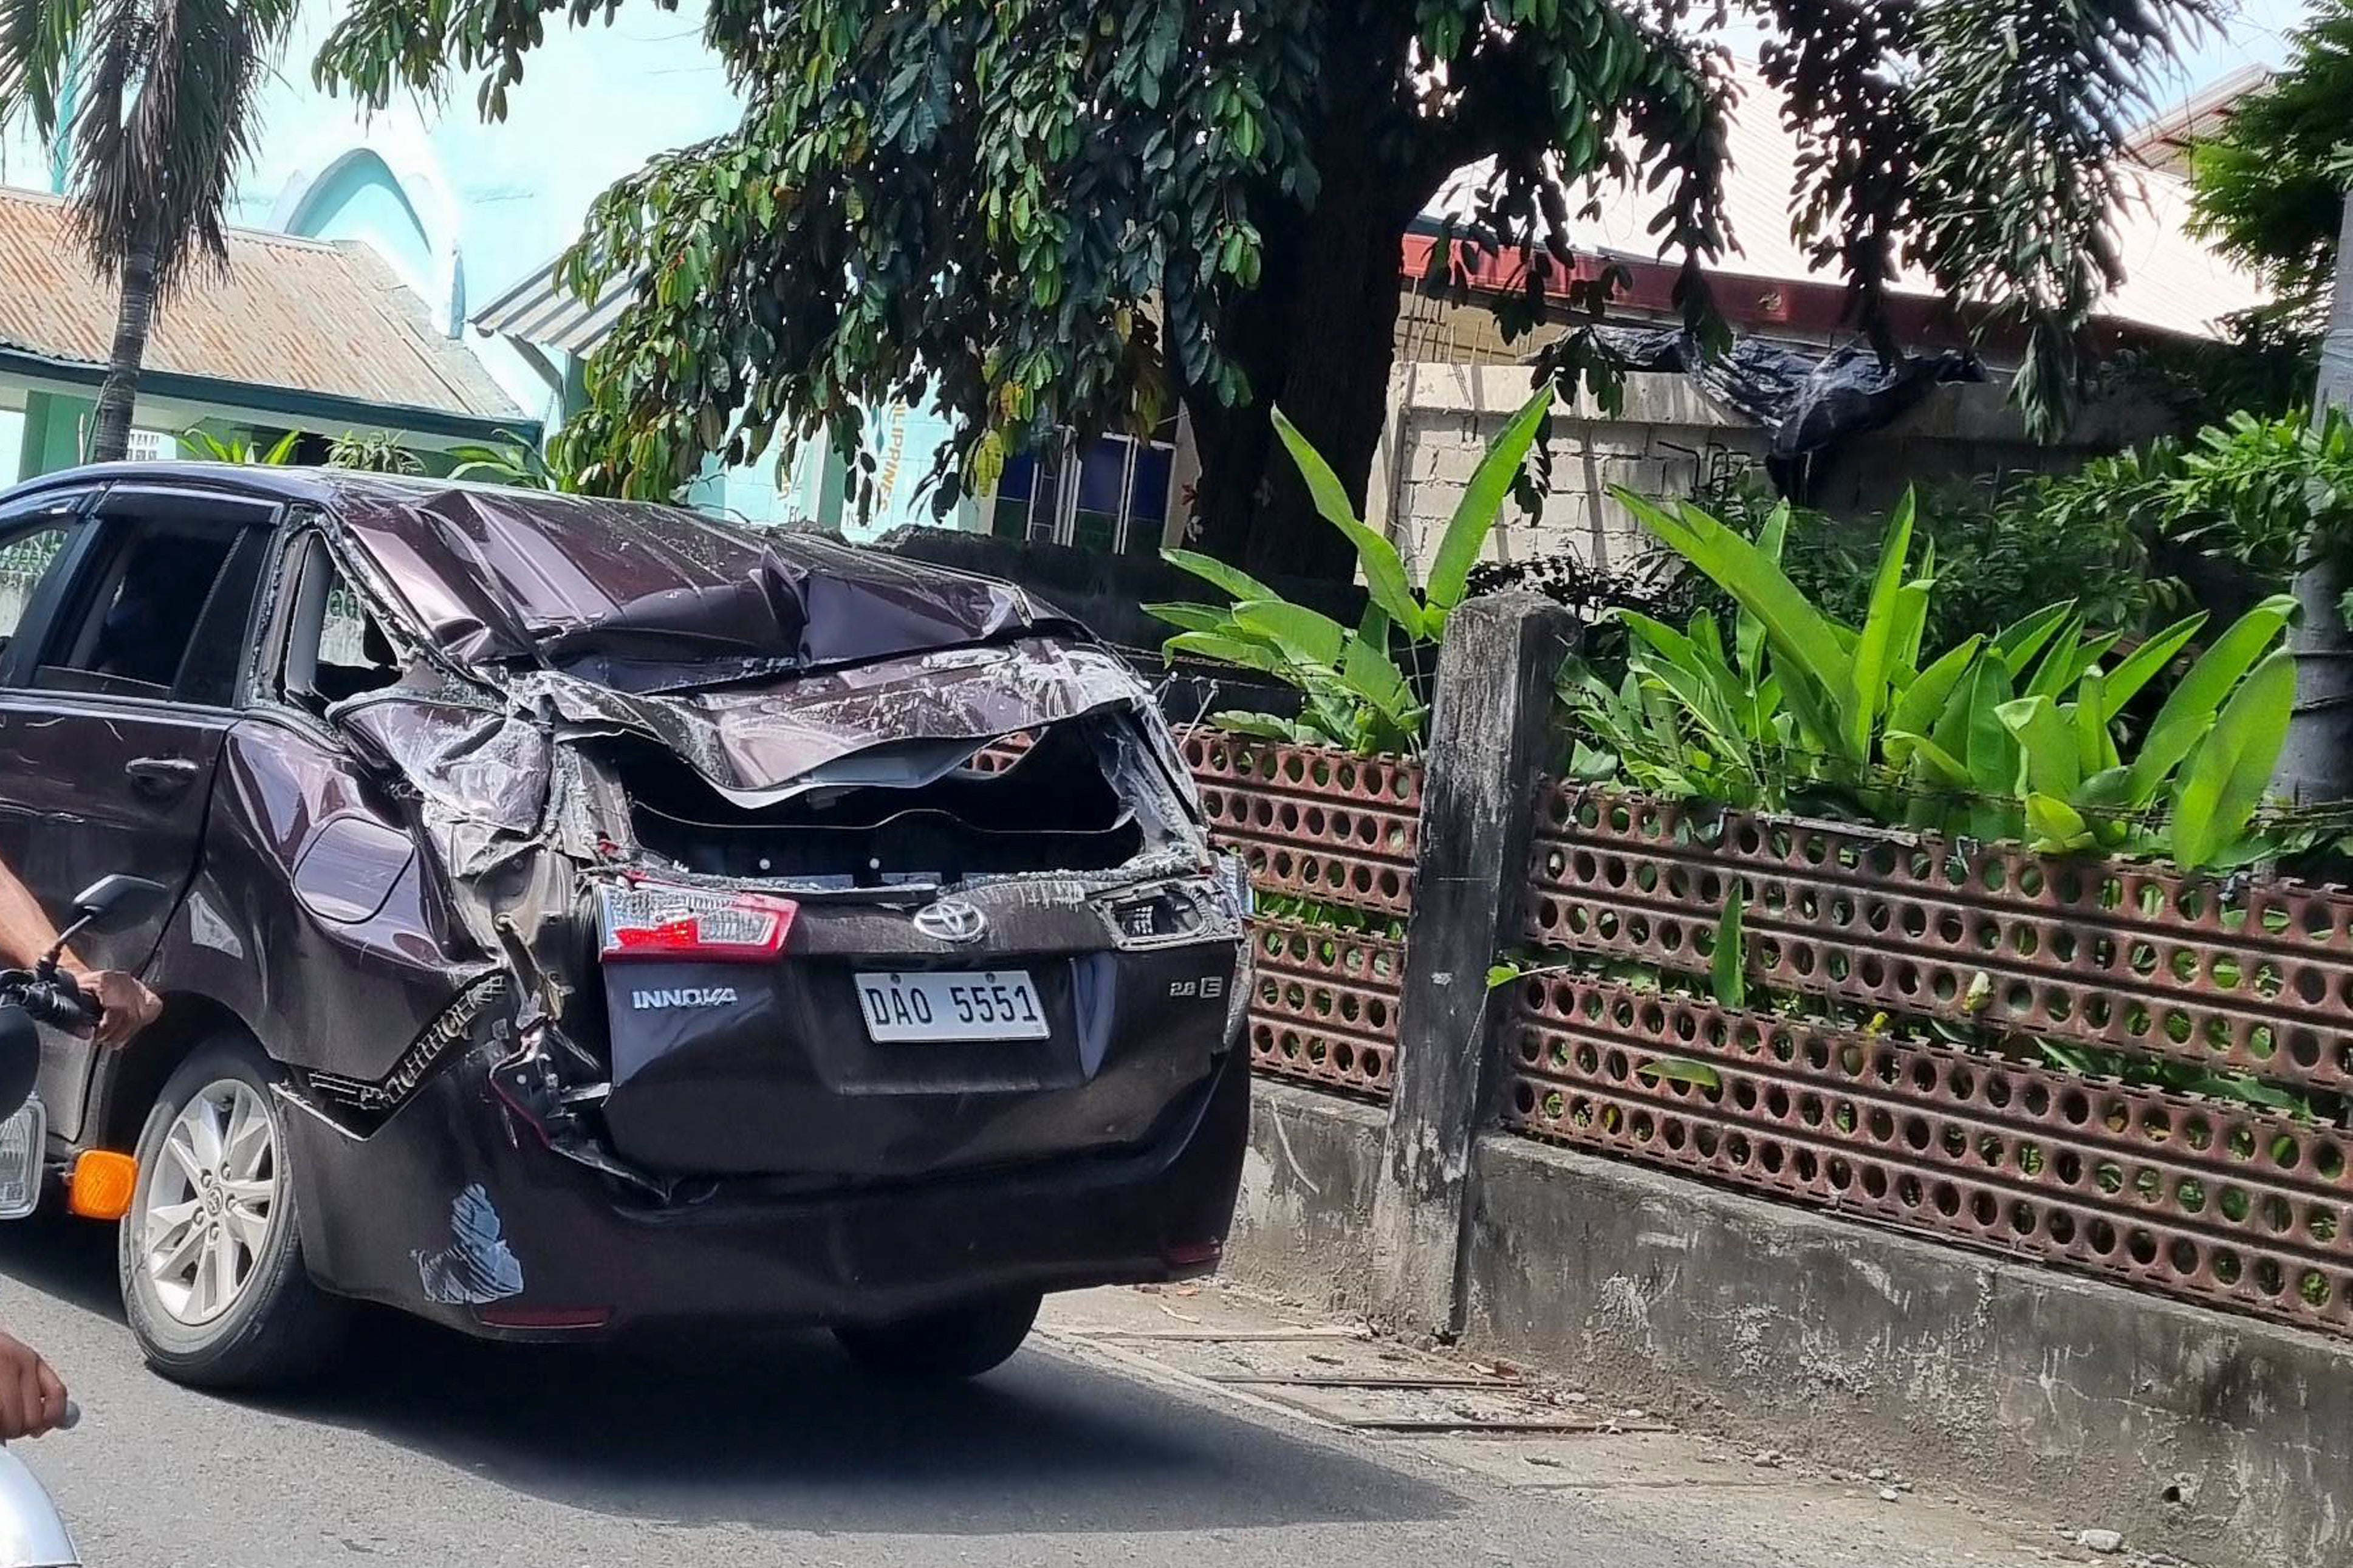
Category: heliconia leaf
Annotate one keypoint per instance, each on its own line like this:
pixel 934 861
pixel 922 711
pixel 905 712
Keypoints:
pixel 1191 618
pixel 1385 578
pixel 1212 570
pixel 1925 756
pixel 1924 698
pixel 2190 708
pixel 1680 1069
pixel 1307 636
pixel 2017 643
pixel 1866 684
pixel 1232 650
pixel 1727 965
pixel 2146 661
pixel 2046 745
pixel 1481 504
pixel 1262 726
pixel 2058 829
pixel 1796 629
pixel 2222 783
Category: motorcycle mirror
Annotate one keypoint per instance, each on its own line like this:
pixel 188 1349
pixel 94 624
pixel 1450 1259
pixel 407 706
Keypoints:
pixel 111 903
pixel 20 1059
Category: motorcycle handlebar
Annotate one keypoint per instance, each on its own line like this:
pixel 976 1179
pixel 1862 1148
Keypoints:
pixel 52 999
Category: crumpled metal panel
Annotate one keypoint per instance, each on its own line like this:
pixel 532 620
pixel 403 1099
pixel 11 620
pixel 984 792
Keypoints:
pixel 649 598
pixel 2204 1196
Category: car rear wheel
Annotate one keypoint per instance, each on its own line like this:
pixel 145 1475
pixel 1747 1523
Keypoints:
pixel 210 1256
pixel 962 1342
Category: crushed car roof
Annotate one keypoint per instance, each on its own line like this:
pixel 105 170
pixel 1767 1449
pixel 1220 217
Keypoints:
pixel 631 595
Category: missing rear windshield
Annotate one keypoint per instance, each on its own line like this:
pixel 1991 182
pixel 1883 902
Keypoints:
pixel 1040 803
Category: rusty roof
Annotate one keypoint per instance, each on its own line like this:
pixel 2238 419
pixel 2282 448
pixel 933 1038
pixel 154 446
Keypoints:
pixel 322 320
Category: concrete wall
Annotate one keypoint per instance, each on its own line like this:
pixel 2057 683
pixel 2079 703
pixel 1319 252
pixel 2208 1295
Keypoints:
pixel 2213 1437
pixel 1307 1189
pixel 1668 439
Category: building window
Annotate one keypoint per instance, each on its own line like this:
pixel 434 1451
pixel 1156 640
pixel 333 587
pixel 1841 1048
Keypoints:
pixel 1109 493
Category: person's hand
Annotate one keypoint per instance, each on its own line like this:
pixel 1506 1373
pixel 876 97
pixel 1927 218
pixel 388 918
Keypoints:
pixel 125 1004
pixel 32 1399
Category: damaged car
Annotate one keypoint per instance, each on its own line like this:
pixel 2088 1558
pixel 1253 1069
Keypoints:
pixel 588 917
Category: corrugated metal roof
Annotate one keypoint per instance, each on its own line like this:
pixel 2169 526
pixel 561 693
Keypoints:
pixel 303 315
pixel 537 311
pixel 2172 282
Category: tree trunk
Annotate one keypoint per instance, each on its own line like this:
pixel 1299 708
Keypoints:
pixel 2316 765
pixel 109 434
pixel 1316 338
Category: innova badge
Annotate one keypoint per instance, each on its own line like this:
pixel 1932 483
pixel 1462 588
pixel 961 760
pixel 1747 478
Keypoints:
pixel 950 920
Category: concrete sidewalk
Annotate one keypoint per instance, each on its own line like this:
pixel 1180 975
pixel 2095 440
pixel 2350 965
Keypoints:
pixel 1611 1470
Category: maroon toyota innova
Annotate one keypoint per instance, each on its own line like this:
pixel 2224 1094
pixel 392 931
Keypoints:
pixel 591 917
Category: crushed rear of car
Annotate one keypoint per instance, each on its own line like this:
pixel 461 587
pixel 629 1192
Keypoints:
pixel 831 940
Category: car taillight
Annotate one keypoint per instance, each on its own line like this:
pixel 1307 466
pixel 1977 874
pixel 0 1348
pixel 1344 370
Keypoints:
pixel 654 919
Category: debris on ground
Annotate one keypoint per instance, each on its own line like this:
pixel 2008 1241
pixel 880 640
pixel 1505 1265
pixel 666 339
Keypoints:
pixel 2104 1541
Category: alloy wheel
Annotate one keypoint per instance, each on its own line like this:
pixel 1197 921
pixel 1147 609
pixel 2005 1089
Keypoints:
pixel 211 1199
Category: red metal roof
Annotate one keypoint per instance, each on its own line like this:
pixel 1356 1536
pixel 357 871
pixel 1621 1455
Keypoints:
pixel 299 314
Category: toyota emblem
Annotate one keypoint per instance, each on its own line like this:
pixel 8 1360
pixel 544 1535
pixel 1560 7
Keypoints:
pixel 950 920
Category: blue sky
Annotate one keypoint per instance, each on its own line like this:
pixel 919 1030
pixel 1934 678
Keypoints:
pixel 2257 34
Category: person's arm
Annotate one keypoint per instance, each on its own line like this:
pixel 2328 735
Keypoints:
pixel 27 933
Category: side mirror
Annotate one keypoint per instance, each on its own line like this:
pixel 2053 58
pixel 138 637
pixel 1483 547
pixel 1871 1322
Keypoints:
pixel 112 903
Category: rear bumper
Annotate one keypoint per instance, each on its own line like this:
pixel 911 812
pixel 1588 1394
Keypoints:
pixel 452 1211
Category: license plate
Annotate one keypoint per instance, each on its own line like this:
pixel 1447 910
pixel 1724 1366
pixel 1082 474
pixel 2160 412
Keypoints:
pixel 985 1004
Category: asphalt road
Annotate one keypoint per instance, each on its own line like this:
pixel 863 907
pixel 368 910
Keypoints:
pixel 429 1449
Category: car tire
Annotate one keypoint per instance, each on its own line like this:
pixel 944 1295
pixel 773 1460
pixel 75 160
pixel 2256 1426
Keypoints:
pixel 961 1341
pixel 255 1319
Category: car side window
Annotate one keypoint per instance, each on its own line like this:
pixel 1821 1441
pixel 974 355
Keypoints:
pixel 30 555
pixel 334 648
pixel 149 588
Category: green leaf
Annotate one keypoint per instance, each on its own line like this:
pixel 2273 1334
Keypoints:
pixel 1904 746
pixel 1212 570
pixel 1385 578
pixel 2047 745
pixel 2190 708
pixel 1501 974
pixel 2057 827
pixel 1482 501
pixel 1798 631
pixel 2017 643
pixel 2222 783
pixel 2146 661
pixel 1231 651
pixel 1867 677
pixel 1727 965
pixel 1191 618
pixel 1680 1069
pixel 1264 726
pixel 1306 637
pixel 1924 698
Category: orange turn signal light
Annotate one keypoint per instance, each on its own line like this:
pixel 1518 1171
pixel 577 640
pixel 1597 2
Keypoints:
pixel 102 1184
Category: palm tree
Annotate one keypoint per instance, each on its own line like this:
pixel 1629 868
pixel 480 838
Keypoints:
pixel 158 118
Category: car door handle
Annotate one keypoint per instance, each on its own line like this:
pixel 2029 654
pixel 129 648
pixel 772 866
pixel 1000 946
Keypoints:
pixel 159 775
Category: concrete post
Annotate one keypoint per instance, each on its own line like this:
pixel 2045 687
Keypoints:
pixel 1490 730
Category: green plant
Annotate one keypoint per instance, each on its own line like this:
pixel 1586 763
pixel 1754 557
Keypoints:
pixel 240 448
pixel 513 462
pixel 2270 495
pixel 2012 735
pixel 1353 691
pixel 1043 215
pixel 1998 545
pixel 2267 188
pixel 372 454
